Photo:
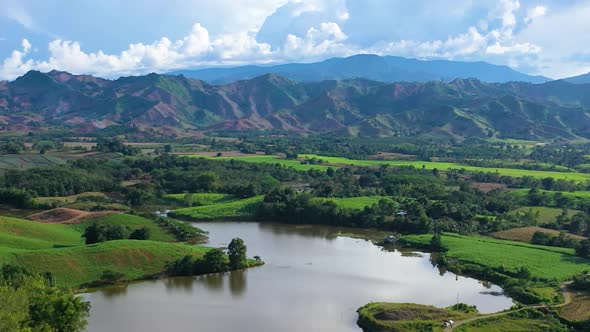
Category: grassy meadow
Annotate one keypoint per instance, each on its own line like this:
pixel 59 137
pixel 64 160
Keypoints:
pixel 354 203
pixel 546 214
pixel 543 262
pixel 239 209
pixel 60 249
pixel 200 199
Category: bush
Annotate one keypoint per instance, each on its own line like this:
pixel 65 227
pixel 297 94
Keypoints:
pixel 140 234
pixel 100 232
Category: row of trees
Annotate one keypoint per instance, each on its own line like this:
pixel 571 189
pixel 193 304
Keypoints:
pixel 101 232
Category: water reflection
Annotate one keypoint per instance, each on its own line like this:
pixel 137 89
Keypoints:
pixel 313 280
pixel 237 283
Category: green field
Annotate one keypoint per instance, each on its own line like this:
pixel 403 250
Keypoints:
pixel 200 199
pixel 24 161
pixel 546 214
pixel 543 262
pixel 355 203
pixel 269 159
pixel 335 162
pixel 240 209
pixel 157 233
pixel 569 194
pixel 76 266
pixel 513 172
pixel 60 249
pixel 25 234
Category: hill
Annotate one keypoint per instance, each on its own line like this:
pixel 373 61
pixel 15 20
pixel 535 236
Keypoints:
pixel 176 106
pixel 580 79
pixel 368 66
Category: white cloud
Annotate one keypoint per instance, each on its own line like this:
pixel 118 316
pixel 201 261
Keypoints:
pixel 535 12
pixel 561 33
pixel 14 10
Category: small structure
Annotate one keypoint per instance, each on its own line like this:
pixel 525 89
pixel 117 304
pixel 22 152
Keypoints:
pixel 448 323
pixel 390 240
pixel 162 214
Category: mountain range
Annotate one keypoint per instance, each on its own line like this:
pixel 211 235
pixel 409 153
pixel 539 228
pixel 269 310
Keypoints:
pixel 580 79
pixel 175 106
pixel 372 67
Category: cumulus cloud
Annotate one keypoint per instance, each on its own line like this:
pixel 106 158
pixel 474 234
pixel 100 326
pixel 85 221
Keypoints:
pixel 535 12
pixel 491 37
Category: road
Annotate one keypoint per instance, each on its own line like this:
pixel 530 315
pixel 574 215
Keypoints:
pixel 567 299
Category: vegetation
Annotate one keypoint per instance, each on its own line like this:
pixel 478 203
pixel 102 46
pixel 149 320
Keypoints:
pixel 527 320
pixel 132 223
pixel 240 209
pixel 487 252
pixel 30 302
pixel 237 254
pixel 409 317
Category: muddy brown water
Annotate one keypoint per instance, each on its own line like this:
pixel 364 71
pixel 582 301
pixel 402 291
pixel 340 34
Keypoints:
pixel 313 280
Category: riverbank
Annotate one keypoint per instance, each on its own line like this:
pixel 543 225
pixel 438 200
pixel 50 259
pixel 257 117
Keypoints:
pixel 60 250
pixel 409 317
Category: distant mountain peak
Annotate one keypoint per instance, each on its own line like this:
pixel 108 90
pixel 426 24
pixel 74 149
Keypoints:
pixel 369 66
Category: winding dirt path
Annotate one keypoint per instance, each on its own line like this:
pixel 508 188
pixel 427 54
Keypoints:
pixel 567 299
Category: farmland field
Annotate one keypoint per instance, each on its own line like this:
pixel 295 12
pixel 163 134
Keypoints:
pixel 240 209
pixel 447 165
pixel 490 252
pixel 569 194
pixel 546 214
pixel 356 203
pixel 199 199
pixel 335 162
pixel 525 234
pixel 268 159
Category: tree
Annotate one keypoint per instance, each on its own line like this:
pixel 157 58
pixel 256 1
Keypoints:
pixel 29 303
pixel 140 234
pixel 436 244
pixel 237 254
pixel 583 249
pixel 100 232
pixel 188 199
pixel 214 261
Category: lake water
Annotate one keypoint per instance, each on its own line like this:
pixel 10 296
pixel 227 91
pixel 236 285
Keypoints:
pixel 313 280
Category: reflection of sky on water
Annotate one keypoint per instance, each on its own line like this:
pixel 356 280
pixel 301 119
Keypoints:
pixel 312 281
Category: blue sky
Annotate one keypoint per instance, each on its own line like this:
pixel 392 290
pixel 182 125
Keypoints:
pixel 112 38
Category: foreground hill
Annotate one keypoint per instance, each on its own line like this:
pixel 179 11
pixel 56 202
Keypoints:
pixel 369 66
pixel 163 105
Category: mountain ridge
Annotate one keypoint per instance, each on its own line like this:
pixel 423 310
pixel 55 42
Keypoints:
pixel 370 66
pixel 175 106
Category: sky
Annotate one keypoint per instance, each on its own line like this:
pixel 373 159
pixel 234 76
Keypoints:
pixel 112 38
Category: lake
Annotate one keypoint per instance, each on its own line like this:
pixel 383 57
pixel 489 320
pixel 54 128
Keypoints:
pixel 313 280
